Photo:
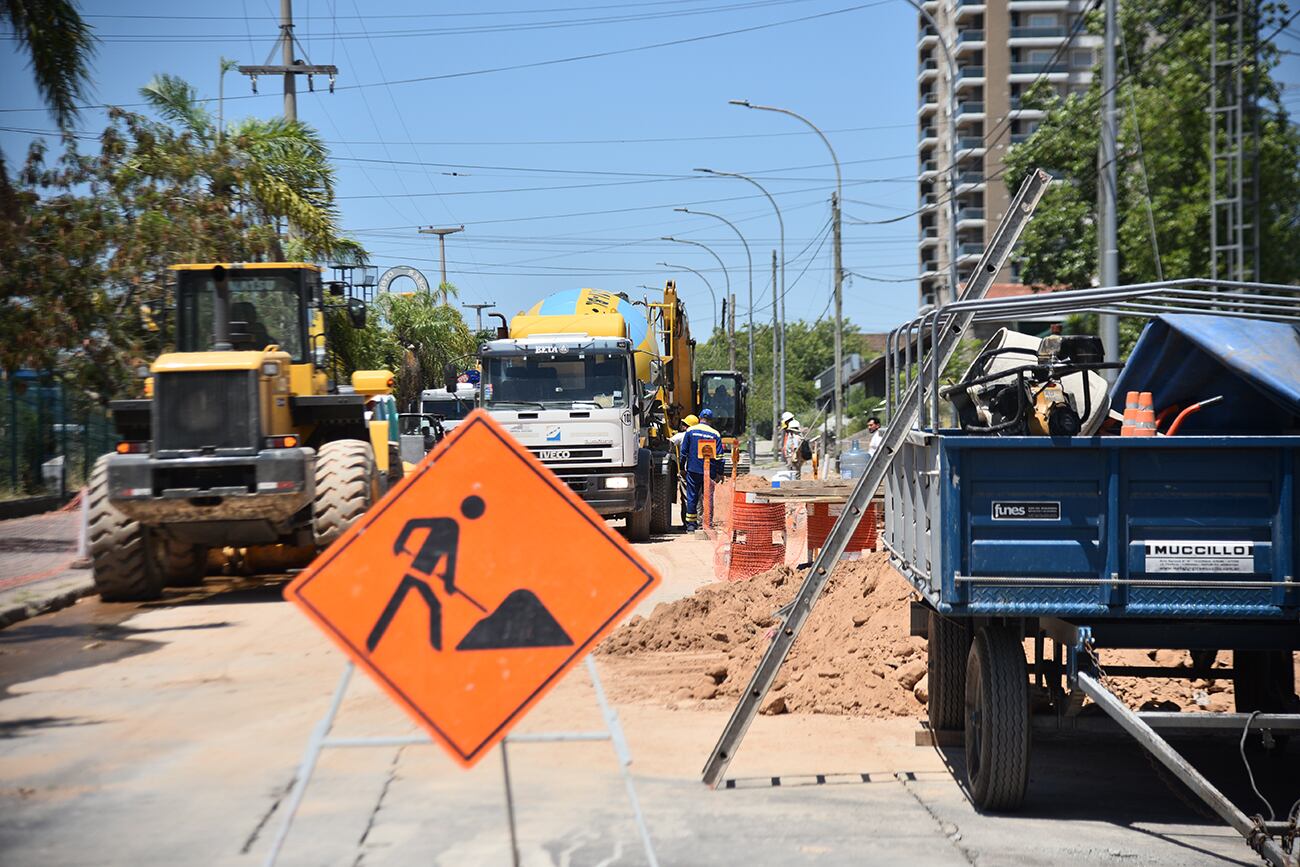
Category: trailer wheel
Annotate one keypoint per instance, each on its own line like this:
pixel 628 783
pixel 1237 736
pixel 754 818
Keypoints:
pixel 997 720
pixel 1263 680
pixel 183 564
pixel 639 520
pixel 949 644
pixel 125 566
pixel 661 497
pixel 347 484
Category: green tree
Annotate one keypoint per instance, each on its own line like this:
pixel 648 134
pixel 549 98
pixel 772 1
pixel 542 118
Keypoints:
pixel 1166 92
pixel 414 335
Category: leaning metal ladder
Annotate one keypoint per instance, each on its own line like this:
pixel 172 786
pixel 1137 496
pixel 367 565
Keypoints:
pixel 948 336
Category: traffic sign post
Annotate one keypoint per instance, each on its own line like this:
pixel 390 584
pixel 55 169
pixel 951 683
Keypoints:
pixel 467 593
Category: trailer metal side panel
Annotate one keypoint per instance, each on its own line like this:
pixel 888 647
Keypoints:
pixel 1035 526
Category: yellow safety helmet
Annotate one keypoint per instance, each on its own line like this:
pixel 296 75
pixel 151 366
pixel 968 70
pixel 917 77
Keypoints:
pixel 691 420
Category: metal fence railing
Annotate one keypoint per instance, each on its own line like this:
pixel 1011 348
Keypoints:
pixel 50 435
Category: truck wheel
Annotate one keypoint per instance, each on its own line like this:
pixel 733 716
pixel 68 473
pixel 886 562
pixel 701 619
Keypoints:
pixel 661 497
pixel 997 720
pixel 121 551
pixel 1263 680
pixel 347 483
pixel 949 645
pixel 638 522
pixel 183 564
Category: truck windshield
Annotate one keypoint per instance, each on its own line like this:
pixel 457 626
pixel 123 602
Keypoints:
pixel 448 408
pixel 557 379
pixel 265 308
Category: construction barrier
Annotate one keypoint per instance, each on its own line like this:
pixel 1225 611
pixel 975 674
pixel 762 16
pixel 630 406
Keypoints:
pixel 757 538
pixel 822 517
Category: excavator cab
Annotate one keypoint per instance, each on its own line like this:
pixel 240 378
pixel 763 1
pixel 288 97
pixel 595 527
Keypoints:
pixel 725 392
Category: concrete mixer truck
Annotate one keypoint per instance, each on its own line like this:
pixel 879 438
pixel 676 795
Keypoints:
pixel 581 379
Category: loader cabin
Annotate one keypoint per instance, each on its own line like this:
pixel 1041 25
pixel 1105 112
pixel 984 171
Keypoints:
pixel 269 303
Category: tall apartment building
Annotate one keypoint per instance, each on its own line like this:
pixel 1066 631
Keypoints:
pixel 998 48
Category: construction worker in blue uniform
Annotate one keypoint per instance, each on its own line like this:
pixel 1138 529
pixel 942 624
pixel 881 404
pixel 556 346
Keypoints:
pixel 694 465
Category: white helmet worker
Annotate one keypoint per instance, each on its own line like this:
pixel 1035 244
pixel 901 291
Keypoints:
pixel 786 418
pixel 794 424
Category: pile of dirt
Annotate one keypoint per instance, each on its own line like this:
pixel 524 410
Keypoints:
pixel 854 656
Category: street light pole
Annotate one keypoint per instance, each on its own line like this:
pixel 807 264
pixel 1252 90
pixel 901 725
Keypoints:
pixel 712 295
pixel 750 260
pixel 778 298
pixel 730 302
pixel 837 253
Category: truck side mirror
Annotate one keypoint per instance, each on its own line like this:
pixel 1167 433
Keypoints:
pixel 449 377
pixel 357 312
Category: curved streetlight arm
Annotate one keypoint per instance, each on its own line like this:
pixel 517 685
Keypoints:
pixel 778 299
pixel 750 262
pixel 725 273
pixel 712 295
pixel 839 180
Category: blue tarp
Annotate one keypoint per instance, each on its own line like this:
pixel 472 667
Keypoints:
pixel 1184 358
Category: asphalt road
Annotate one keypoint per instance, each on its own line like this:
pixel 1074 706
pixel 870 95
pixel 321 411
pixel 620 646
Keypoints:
pixel 169 733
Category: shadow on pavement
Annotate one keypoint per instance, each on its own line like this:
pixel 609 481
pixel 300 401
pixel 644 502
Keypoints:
pixel 15 728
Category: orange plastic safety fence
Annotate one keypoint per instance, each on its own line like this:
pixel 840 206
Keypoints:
pixel 758 536
pixel 822 517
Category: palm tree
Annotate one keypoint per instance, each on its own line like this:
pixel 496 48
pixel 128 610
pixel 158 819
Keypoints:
pixel 280 168
pixel 59 44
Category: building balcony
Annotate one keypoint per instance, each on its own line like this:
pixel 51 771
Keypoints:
pixel 967 41
pixel 929 137
pixel 1019 137
pixel 1045 5
pixel 969 77
pixel 970 182
pixel 970 218
pixel 927 38
pixel 969 252
pixel 929 104
pixel 969 111
pixel 1038 35
pixel 929 268
pixel 929 170
pixel 1026 72
pixel 929 201
pixel 929 237
pixel 970 146
pixel 928 71
pixel 964 9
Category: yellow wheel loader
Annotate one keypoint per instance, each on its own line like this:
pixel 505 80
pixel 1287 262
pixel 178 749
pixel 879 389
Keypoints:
pixel 243 441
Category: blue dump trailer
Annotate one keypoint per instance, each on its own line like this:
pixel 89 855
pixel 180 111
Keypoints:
pixel 1033 554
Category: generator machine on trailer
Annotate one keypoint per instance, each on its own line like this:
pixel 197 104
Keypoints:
pixel 244 442
pixel 1030 523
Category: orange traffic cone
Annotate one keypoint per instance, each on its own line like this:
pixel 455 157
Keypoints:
pixel 1130 415
pixel 1146 416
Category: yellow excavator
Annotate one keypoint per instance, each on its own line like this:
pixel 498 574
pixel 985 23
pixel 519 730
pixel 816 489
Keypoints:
pixel 243 441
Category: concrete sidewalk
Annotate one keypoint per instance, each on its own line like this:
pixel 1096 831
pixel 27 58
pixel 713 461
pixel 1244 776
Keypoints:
pixel 39 566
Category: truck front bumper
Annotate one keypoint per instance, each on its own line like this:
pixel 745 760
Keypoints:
pixel 609 492
pixel 244 499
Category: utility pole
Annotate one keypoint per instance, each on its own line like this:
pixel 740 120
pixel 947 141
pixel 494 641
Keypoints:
pixel 776 406
pixel 1107 242
pixel 442 245
pixel 479 308
pixel 839 274
pixel 289 67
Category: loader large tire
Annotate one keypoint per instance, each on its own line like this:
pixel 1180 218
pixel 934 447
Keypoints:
pixel 347 484
pixel 183 564
pixel 122 553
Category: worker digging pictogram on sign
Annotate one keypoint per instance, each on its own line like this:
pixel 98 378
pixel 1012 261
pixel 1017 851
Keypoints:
pixel 472 588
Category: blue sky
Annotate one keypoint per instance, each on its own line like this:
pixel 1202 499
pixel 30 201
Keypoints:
pixel 566 174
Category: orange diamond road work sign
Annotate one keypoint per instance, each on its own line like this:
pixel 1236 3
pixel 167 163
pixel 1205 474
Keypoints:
pixel 472 587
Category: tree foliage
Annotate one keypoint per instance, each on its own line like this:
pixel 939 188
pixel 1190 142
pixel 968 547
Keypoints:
pixel 414 335
pixel 810 350
pixel 93 234
pixel 1163 101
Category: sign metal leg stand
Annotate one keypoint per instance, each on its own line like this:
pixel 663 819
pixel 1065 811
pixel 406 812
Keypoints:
pixel 319 740
pixel 510 805
pixel 315 744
